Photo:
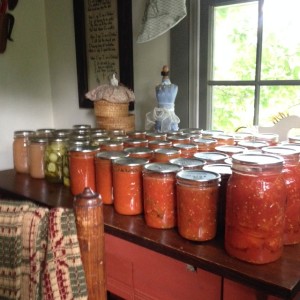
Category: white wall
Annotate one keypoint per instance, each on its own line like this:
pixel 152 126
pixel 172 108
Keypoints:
pixel 38 79
pixel 25 91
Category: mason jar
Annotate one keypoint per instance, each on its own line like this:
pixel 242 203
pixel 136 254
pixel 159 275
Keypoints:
pixel 189 163
pixel 165 154
pixel 140 152
pixel 291 175
pixel 255 208
pixel 211 157
pixel 157 144
pixel 37 148
pixel 205 145
pixel 53 159
pixel 186 150
pixel 197 199
pixel 159 186
pixel 21 150
pixel 128 185
pixel 104 177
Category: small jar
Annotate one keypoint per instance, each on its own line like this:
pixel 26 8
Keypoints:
pixel 140 152
pixel 103 169
pixel 82 168
pixel 211 157
pixel 225 172
pixel 54 153
pixel 255 208
pixel 128 185
pixel 253 145
pixel 111 146
pixel 157 144
pixel 135 143
pixel 45 132
pixel 189 163
pixel 230 149
pixel 82 126
pixel 21 150
pixel 197 199
pixel 137 134
pixel 150 136
pixel 97 140
pixel 205 145
pixel 159 186
pixel 179 139
pixel 165 154
pixel 116 132
pixel 223 139
pixel 291 175
pixel 208 134
pixel 37 148
pixel 186 150
pixel 270 138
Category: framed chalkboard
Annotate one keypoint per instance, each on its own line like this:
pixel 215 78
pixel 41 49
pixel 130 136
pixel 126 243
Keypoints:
pixel 103 39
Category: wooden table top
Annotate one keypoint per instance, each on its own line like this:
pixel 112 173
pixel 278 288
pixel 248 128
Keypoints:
pixel 280 278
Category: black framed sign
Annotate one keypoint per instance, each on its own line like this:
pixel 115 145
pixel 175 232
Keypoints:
pixel 103 39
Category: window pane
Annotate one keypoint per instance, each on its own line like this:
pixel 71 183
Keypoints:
pixel 234 41
pixel 232 107
pixel 281 40
pixel 278 99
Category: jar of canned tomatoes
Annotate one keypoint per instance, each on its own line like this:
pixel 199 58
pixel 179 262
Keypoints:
pixel 20 150
pixel 128 185
pixel 103 168
pixel 159 186
pixel 189 163
pixel 291 175
pixel 157 144
pixel 197 199
pixel 255 208
pixel 205 145
pixel 165 154
pixel 211 157
pixel 82 168
pixel 140 152
pixel 186 150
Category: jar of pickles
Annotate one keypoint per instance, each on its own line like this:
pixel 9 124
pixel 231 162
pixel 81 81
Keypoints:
pixel 20 150
pixel 159 186
pixel 291 175
pixel 53 159
pixel 255 208
pixel 197 199
pixel 37 148
pixel 103 168
pixel 82 168
pixel 128 185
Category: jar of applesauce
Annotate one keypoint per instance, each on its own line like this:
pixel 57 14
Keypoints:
pixel 159 186
pixel 21 149
pixel 37 147
pixel 291 175
pixel 255 208
pixel 128 185
pixel 197 199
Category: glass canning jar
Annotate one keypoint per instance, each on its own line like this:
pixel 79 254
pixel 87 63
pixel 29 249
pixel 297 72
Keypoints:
pixel 189 163
pixel 165 154
pixel 255 208
pixel 205 145
pixel 103 169
pixel 140 152
pixel 291 175
pixel 157 144
pixel 197 198
pixel 159 189
pixel 53 159
pixel 128 185
pixel 37 148
pixel 186 150
pixel 211 157
pixel 82 168
pixel 21 150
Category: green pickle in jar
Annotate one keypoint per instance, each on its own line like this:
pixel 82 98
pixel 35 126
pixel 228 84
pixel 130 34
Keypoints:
pixel 54 153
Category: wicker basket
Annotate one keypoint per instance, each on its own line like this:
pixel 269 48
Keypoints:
pixel 104 108
pixel 126 123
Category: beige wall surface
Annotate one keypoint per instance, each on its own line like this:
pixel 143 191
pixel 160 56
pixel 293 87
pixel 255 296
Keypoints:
pixel 38 79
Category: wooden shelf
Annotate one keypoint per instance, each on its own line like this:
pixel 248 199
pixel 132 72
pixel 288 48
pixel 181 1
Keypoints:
pixel 280 278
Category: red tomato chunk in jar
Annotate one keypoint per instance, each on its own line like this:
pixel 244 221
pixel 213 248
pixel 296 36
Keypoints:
pixel 197 198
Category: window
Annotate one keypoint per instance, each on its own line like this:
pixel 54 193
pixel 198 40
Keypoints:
pixel 249 61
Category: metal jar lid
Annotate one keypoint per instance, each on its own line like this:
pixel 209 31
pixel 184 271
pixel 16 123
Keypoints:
pixel 188 162
pixel 199 176
pixel 185 146
pixel 138 150
pixel 130 161
pixel 211 156
pixel 167 151
pixel 163 168
pixel 111 154
pixel 84 148
pixel 222 169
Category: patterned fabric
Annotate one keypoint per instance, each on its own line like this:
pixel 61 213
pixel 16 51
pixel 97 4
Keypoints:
pixel 64 276
pixel 39 253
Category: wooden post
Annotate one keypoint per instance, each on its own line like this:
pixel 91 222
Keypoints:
pixel 90 230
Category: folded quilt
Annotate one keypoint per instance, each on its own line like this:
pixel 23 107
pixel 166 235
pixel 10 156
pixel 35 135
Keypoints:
pixel 39 253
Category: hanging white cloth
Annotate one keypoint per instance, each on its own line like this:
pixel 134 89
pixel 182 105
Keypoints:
pixel 159 17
